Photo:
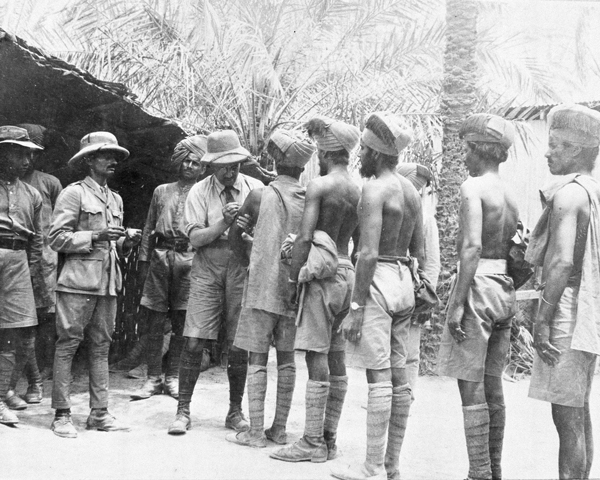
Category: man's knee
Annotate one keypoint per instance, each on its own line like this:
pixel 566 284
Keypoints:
pixel 193 345
pixel 178 322
pixel 259 359
pixel 493 390
pixel 337 363
pixel 379 376
pixel 318 369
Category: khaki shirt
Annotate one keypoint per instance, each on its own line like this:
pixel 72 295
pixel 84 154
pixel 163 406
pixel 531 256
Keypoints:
pixel 206 199
pixel 165 215
pixel 90 268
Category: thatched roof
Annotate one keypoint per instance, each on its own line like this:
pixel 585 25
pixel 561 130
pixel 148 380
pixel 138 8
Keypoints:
pixel 69 102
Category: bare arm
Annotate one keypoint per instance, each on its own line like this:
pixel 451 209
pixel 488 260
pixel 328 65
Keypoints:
pixel 303 242
pixel 471 221
pixel 370 220
pixel 310 217
pixel 251 208
pixel 558 263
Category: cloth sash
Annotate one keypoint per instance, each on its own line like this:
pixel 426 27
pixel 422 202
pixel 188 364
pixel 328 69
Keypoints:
pixel 586 336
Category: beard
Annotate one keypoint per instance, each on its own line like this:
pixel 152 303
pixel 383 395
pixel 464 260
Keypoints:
pixel 367 167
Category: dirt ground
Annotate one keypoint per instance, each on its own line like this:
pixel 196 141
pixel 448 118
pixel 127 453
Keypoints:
pixel 434 447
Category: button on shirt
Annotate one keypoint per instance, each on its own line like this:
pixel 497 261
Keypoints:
pixel 206 199
pixel 165 215
pixel 20 216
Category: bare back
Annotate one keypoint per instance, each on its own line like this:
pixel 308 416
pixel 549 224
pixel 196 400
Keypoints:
pixel 401 215
pixel 499 214
pixel 338 217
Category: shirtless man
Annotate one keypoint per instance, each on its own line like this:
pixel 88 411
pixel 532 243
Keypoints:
pixel 329 220
pixel 482 302
pixel 377 327
pixel 565 242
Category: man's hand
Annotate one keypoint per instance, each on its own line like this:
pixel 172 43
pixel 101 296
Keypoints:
pixel 229 211
pixel 108 234
pixel 133 236
pixel 541 342
pixel 352 325
pixel 245 223
pixel 454 320
pixel 292 296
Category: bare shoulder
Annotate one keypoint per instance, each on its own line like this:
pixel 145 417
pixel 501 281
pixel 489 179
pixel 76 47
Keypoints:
pixel 571 197
pixel 472 186
pixel 374 190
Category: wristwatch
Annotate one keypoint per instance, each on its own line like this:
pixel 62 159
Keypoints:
pixel 355 306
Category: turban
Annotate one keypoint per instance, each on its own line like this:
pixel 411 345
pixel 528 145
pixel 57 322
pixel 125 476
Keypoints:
pixel 386 133
pixel 36 132
pixel 488 128
pixel 195 144
pixel 332 135
pixel 578 124
pixel 296 151
pixel 418 175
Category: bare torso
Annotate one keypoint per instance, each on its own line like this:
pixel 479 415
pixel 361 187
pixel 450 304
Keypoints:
pixel 338 217
pixel 499 215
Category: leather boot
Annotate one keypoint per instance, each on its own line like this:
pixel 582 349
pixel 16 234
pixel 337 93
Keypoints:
pixel 152 386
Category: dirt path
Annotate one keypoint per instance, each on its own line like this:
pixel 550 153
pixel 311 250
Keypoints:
pixel 434 447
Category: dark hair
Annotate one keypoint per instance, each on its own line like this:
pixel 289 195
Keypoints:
pixel 338 157
pixel 488 151
pixel 388 161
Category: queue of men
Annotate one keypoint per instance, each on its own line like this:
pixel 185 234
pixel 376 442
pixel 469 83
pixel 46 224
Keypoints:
pixel 272 266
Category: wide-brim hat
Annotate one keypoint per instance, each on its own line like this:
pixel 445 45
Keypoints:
pixel 224 148
pixel 17 136
pixel 98 142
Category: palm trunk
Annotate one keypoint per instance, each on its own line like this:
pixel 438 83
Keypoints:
pixel 458 101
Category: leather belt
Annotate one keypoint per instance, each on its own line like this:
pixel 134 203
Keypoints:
pixel 176 244
pixel 13 243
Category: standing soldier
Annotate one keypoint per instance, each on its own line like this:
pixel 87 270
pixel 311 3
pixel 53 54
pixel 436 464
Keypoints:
pixel 87 228
pixel 566 243
pixel 390 222
pixel 274 212
pixel 43 291
pixel 167 276
pixel 482 302
pixel 328 222
pixel 217 276
pixel 20 238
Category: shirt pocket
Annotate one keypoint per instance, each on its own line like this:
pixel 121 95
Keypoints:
pixel 117 217
pixel 81 273
pixel 93 217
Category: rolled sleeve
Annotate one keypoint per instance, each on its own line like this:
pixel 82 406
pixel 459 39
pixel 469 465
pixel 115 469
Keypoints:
pixel 195 213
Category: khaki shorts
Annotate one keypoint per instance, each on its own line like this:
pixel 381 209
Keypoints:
pixel 326 304
pixel 216 287
pixel 17 305
pixel 489 310
pixel 257 329
pixel 569 382
pixel 167 286
pixel 386 324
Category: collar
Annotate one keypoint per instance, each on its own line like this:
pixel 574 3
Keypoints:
pixel 220 187
pixel 6 182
